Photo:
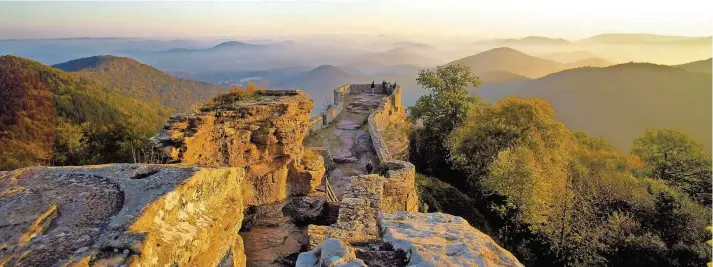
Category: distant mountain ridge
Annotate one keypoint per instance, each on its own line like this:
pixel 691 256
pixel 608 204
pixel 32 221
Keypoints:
pixel 510 60
pixel 620 102
pixel 132 78
pixel 569 57
pixel 643 38
pixel 589 62
pixel 700 65
pixel 530 40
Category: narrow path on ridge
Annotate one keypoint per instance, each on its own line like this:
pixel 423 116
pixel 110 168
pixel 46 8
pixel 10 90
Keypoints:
pixel 348 140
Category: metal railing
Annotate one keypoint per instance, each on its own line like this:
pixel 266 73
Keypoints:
pixel 331 197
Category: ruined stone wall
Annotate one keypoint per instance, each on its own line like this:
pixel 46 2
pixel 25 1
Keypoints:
pixel 358 209
pixel 392 190
pixel 322 120
pixel 365 88
pixel 390 111
pixel 121 215
pixel 399 186
pixel 264 137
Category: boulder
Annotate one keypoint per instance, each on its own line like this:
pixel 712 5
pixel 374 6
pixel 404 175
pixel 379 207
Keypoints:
pixel 330 253
pixel 438 239
pixel 311 209
pixel 121 214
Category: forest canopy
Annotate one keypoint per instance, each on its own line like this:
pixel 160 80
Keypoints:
pixel 49 117
pixel 558 197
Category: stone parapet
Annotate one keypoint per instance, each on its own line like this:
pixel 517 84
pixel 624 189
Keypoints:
pixel 358 209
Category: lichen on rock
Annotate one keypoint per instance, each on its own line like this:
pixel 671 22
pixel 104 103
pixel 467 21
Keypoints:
pixel 438 239
pixel 332 253
pixel 109 215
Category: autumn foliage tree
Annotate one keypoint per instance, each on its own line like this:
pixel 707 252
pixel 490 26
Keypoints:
pixel 677 159
pixel 442 109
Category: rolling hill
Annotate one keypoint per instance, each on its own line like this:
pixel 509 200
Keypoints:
pixel 569 57
pixel 498 77
pixel 40 102
pixel 318 83
pixel 619 102
pixel 396 56
pixel 510 60
pixel 589 62
pixel 699 66
pixel 132 78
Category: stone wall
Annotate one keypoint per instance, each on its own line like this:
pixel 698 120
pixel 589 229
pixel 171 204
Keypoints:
pixel 399 186
pixel 263 137
pixel 368 195
pixel 390 111
pixel 365 88
pixel 121 215
pixel 322 120
pixel 358 209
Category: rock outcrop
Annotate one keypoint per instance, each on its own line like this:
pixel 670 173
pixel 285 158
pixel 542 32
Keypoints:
pixel 239 172
pixel 332 253
pixel 121 214
pixel 240 160
pixel 263 135
pixel 438 239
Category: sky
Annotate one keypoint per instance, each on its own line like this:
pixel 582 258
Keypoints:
pixel 478 19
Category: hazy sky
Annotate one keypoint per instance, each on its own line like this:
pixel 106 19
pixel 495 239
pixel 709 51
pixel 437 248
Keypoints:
pixel 570 19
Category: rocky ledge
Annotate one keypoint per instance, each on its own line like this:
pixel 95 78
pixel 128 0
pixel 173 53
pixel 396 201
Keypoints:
pixel 121 215
pixel 438 239
pixel 414 239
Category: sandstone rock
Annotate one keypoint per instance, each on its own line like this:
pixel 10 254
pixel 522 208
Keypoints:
pixel 438 239
pixel 309 209
pixel 358 209
pixel 342 160
pixel 273 240
pixel 306 175
pixel 264 137
pixel 330 253
pixel 121 214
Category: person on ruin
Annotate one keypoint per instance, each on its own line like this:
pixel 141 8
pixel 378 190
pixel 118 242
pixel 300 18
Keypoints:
pixel 372 87
pixel 369 167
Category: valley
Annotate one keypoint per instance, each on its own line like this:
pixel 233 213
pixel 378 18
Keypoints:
pixel 348 133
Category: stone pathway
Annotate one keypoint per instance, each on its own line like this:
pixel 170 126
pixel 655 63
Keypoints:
pixel 348 140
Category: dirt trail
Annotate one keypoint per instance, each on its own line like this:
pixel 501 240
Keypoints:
pixel 348 141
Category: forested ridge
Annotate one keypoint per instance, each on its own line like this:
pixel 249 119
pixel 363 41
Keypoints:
pixel 132 78
pixel 553 196
pixel 51 117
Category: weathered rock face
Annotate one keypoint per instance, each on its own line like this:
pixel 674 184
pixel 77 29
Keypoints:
pixel 264 137
pixel 332 253
pixel 358 210
pixel 438 239
pixel 121 214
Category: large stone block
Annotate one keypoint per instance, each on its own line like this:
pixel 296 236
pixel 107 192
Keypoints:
pixel 121 214
pixel 332 253
pixel 438 239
